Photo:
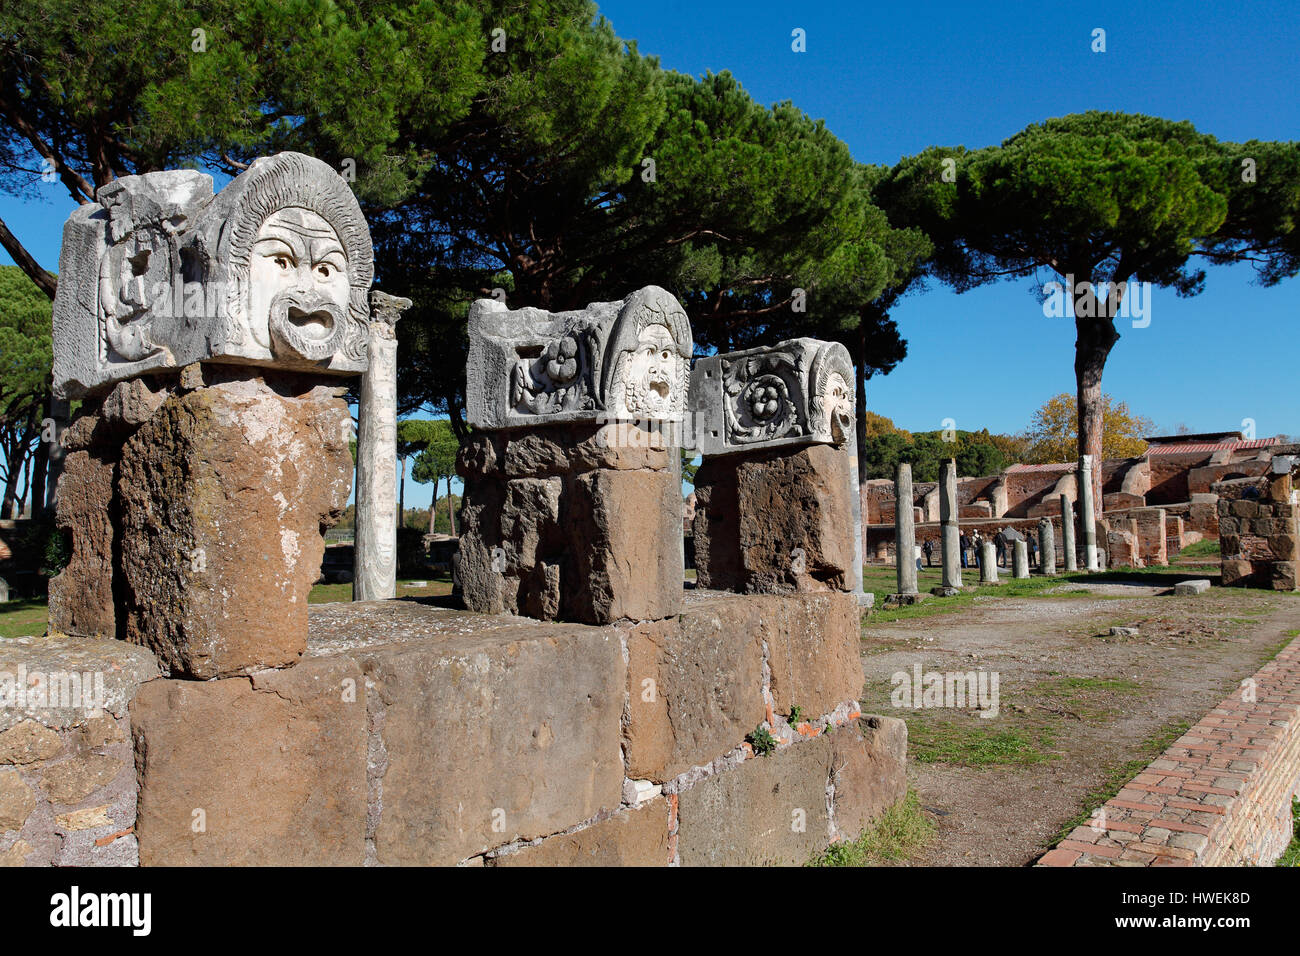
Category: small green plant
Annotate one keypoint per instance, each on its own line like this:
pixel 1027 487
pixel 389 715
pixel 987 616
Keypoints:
pixel 796 715
pixel 762 741
pixel 1292 855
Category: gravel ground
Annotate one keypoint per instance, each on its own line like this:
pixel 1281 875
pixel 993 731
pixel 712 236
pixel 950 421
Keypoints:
pixel 1076 704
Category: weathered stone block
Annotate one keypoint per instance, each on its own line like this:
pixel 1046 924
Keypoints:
pixel 1191 588
pixel 16 800
pixel 81 595
pixel 493 736
pixel 28 742
pixel 624 556
pixel 695 686
pixel 262 771
pixel 778 520
pixel 566 536
pixel 224 493
pixel 629 838
pixel 768 811
pixel 869 772
pixel 813 644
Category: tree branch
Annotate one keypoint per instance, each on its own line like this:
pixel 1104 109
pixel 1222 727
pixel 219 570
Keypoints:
pixel 45 281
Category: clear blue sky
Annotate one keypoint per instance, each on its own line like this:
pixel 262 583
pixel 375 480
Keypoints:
pixel 892 79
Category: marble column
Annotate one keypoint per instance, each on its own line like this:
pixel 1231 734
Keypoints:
pixel 855 505
pixel 1067 535
pixel 1046 547
pixel 989 563
pixel 1088 513
pixel 904 530
pixel 1020 560
pixel 948 521
pixel 374 576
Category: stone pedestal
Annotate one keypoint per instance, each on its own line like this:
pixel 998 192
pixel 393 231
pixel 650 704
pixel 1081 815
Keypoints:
pixel 1067 535
pixel 774 521
pixel 224 493
pixel 84 595
pixel 1020 560
pixel 576 522
pixel 1046 547
pixel 951 531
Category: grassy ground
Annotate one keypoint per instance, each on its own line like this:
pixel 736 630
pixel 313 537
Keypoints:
pixel 23 618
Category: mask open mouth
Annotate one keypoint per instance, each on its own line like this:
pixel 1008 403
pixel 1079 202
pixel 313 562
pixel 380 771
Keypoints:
pixel 306 325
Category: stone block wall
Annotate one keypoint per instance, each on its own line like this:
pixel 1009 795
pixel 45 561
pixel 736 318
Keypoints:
pixel 1219 796
pixel 1258 535
pixel 413 735
pixel 67 773
pixel 416 735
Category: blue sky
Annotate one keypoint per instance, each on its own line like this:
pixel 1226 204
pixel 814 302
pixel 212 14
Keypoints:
pixel 892 79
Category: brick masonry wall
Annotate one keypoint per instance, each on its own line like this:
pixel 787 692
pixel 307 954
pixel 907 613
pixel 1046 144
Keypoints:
pixel 1219 796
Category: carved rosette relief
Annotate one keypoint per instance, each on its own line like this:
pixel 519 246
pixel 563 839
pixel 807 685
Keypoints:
pixel 763 399
pixel 798 391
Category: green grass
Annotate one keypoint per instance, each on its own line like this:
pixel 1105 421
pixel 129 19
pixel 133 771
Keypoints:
pixel 1085 697
pixel 882 581
pixel 1206 548
pixel 23 618
pixel 1292 855
pixel 971 745
pixel 438 585
pixel 1116 777
pixel 899 835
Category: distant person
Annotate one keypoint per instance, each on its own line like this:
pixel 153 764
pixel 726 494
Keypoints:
pixel 928 548
pixel 965 548
pixel 1033 550
pixel 1000 544
pixel 977 543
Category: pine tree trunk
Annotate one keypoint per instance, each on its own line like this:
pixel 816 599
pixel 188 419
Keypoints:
pixel 1095 337
pixel 451 510
pixel 401 496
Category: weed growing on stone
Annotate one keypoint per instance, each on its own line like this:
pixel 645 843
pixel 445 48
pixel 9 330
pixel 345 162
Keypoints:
pixel 762 741
pixel 899 835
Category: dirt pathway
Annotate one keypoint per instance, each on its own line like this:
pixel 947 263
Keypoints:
pixel 1076 705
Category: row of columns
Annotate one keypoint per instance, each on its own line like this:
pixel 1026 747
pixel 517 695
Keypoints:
pixel 905 535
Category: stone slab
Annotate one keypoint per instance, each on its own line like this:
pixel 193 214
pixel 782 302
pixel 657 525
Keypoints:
pixel 1188 588
pixel 261 771
pixel 637 837
pixel 768 811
